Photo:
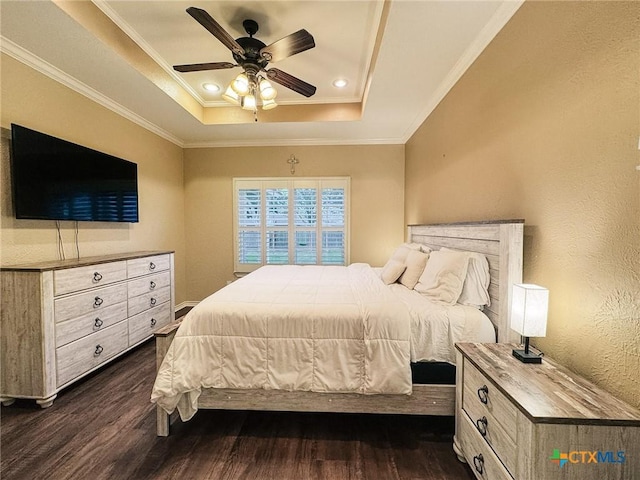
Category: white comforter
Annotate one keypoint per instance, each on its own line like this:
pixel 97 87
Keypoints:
pixel 321 329
pixel 436 328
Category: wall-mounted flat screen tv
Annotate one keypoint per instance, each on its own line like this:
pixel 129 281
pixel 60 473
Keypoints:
pixel 54 179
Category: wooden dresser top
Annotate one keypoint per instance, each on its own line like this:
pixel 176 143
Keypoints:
pixel 547 392
pixel 72 263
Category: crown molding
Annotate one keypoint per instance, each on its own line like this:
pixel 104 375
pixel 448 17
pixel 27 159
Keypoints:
pixel 24 56
pixel 500 18
pixel 301 142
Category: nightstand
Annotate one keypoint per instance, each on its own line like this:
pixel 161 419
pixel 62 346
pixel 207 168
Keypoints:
pixel 539 422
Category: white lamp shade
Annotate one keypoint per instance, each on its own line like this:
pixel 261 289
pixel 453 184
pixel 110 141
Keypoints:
pixel 267 92
pixel 529 306
pixel 269 104
pixel 249 102
pixel 230 96
pixel 240 84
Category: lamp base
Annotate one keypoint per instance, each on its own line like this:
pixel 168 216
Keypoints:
pixel 527 357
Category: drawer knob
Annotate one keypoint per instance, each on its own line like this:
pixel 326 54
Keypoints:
pixel 152 285
pixel 153 322
pixel 98 323
pixel 97 277
pixel 97 302
pixel 152 266
pixel 481 425
pixel 98 350
pixel 152 301
pixel 483 394
pixel 478 463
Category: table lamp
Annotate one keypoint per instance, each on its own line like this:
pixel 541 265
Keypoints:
pixel 529 305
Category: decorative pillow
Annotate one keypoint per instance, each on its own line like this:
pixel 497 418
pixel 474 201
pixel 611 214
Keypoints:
pixel 400 254
pixel 475 291
pixel 443 278
pixel 391 271
pixel 418 246
pixel 416 261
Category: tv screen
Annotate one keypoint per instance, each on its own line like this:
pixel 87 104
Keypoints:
pixel 58 180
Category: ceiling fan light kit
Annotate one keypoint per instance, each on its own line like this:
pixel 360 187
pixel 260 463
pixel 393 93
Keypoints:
pixel 253 56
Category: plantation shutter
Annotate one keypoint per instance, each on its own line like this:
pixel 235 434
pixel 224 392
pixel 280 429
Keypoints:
pixel 284 221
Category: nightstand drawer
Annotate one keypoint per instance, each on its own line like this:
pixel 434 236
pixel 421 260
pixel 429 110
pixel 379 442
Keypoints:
pixel 494 416
pixel 483 461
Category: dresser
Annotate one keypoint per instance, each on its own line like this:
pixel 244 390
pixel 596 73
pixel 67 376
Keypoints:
pixel 61 320
pixel 539 421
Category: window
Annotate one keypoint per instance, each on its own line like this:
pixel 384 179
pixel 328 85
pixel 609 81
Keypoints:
pixel 283 221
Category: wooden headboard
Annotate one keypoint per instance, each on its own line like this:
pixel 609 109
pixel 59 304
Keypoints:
pixel 501 242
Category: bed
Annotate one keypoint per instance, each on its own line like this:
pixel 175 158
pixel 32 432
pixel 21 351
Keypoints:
pixel 375 374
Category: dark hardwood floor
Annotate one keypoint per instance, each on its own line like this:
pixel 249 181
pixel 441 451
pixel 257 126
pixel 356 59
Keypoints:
pixel 104 428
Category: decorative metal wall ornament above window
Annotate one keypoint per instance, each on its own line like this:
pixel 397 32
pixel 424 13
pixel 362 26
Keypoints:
pixel 293 161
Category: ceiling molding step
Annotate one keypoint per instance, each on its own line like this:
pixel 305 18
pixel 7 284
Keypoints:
pixel 128 30
pixel 502 15
pixel 308 142
pixel 40 65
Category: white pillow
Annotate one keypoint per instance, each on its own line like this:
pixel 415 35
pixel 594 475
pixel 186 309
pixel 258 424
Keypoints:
pixel 400 254
pixel 391 271
pixel 418 246
pixel 475 291
pixel 443 277
pixel 416 261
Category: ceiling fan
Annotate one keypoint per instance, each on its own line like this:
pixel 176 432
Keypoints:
pixel 253 56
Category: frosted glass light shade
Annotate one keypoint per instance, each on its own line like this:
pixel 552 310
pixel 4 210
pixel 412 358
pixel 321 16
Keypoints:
pixel 249 102
pixel 267 92
pixel 529 306
pixel 269 104
pixel 230 96
pixel 240 84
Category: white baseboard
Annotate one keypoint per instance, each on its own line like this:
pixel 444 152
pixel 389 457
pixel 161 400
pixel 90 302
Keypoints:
pixel 185 304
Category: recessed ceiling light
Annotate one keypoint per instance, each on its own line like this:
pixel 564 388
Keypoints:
pixel 211 87
pixel 340 83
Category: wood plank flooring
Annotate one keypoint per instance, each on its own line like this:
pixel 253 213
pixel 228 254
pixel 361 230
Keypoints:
pixel 104 428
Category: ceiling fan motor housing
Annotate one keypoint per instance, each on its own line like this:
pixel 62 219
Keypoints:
pixel 252 47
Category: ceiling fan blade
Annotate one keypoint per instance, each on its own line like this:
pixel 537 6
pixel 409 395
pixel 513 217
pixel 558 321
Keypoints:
pixel 197 67
pixel 290 45
pixel 204 19
pixel 291 82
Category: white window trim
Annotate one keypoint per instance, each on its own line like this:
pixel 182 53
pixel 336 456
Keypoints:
pixel 315 182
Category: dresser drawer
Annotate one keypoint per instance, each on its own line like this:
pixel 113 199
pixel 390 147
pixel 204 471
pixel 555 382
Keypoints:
pixel 93 301
pixel 75 279
pixel 84 325
pixel 494 420
pixel 142 266
pixel 79 357
pixel 143 325
pixel 483 461
pixel 149 300
pixel 149 283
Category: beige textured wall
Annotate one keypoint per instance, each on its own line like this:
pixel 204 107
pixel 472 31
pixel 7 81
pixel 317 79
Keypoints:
pixel 377 201
pixel 545 126
pixel 35 101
